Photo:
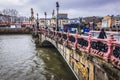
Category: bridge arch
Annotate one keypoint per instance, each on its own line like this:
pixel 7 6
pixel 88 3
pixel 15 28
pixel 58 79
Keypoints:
pixel 49 42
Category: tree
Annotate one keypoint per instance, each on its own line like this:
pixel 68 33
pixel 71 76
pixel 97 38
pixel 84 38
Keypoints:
pixel 10 12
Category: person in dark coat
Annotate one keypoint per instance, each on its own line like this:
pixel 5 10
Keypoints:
pixel 102 34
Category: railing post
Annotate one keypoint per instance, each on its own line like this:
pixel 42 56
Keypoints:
pixel 54 34
pixel 61 39
pixel 45 32
pixel 55 37
pixel 89 43
pixel 67 37
pixel 110 48
pixel 48 32
pixel 76 40
pixel 62 35
pixel 51 34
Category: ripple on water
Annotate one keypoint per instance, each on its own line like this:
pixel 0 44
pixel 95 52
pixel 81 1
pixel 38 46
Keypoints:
pixel 21 60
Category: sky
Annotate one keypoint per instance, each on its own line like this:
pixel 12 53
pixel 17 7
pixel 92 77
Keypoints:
pixel 74 8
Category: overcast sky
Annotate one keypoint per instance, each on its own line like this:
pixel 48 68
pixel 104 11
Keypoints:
pixel 74 8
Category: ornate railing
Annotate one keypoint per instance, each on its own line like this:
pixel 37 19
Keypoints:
pixel 107 49
pixel 116 52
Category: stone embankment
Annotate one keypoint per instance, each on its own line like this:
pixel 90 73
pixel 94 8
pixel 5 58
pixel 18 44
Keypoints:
pixel 15 30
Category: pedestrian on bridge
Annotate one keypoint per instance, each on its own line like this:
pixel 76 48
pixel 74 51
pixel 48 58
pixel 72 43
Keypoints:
pixel 102 34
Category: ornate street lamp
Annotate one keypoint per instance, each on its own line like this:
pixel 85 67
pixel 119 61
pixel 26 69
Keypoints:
pixel 37 22
pixel 45 19
pixel 57 7
pixel 93 25
pixel 80 25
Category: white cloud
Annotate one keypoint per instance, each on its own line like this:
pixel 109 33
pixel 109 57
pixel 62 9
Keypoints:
pixel 74 8
pixel 13 2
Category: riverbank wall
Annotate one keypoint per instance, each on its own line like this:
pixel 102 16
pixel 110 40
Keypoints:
pixel 15 31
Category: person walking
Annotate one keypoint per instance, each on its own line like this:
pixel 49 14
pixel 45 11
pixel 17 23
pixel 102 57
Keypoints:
pixel 102 34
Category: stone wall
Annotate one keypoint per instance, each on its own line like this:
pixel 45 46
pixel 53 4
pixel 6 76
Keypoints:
pixel 14 30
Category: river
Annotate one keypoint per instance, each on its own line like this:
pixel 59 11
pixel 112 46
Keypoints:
pixel 21 60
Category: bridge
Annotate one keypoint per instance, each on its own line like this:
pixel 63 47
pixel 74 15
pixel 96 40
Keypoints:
pixel 88 57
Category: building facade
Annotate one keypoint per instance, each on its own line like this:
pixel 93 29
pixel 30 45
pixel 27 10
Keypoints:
pixel 111 21
pixel 62 19
pixel 73 20
pixel 107 21
pixel 94 19
pixel 51 22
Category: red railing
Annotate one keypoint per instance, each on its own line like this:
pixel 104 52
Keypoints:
pixel 107 49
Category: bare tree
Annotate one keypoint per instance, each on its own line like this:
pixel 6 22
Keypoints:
pixel 10 12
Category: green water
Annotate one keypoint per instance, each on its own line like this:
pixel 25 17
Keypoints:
pixel 21 60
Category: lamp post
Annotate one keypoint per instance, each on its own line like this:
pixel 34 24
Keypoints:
pixel 37 22
pixel 93 25
pixel 80 24
pixel 45 18
pixel 57 7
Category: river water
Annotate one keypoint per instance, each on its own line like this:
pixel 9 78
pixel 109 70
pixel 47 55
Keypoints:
pixel 21 60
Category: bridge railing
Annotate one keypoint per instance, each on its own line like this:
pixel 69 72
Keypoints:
pixel 107 49
pixel 115 55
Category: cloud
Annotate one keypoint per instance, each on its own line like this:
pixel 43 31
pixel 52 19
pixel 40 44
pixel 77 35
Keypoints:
pixel 86 3
pixel 13 2
pixel 74 8
pixel 92 7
